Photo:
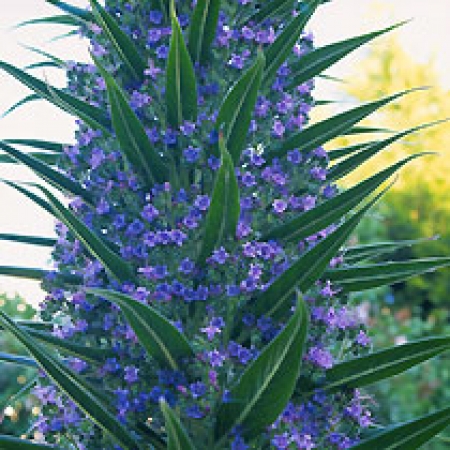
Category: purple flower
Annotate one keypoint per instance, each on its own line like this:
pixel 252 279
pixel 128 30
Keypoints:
pixel 279 206
pixel 131 374
pixel 278 129
pixel 216 358
pixel 202 202
pixel 191 154
pixel 362 339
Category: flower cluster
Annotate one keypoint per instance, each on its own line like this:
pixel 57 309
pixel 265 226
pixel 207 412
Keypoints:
pixel 158 232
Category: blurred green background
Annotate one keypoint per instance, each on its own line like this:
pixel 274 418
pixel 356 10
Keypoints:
pixel 417 206
pixel 17 406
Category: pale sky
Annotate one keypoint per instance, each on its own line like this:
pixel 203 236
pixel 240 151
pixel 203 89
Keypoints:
pixel 425 37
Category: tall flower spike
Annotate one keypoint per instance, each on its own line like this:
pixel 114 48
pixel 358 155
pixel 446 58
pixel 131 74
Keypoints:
pixel 201 276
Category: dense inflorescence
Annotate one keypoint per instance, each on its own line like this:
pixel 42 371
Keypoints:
pixel 158 232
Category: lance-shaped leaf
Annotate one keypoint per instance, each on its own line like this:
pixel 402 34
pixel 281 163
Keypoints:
pixel 334 209
pixel 47 158
pixel 365 130
pixel 24 101
pixel 320 133
pixel 38 144
pixel 177 436
pixel 377 366
pixel 58 61
pixel 304 272
pixel 270 9
pixel 91 354
pixel 72 385
pixel 14 443
pixel 360 253
pixel 23 272
pixel 353 162
pixel 54 177
pixel 32 240
pixel 203 28
pixel 132 136
pixel 74 11
pixel 320 59
pixel 121 42
pixel 281 49
pixel 35 325
pixel 236 111
pixel 18 360
pixel 347 151
pixel 41 64
pixel 31 195
pixel 37 274
pixel 157 335
pixel 181 84
pixel 370 276
pixel 96 246
pixel 92 115
pixel 408 436
pixel 264 389
pixel 223 214
pixel 64 19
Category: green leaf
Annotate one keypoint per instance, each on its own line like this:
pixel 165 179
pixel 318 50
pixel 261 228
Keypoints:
pixel 203 28
pixel 264 389
pixel 318 134
pixel 39 144
pixel 24 101
pixel 65 19
pixel 309 267
pixel 346 151
pixel 96 246
pixel 13 443
pixel 78 13
pixel 32 240
pixel 181 84
pixel 360 253
pixel 320 59
pixel 35 325
pixel 236 111
pixel 72 385
pixel 345 167
pixel 23 272
pixel 122 43
pixel 366 130
pixel 48 158
pixel 37 274
pixel 177 436
pixel 91 354
pixel 32 196
pixel 58 61
pixel 281 49
pixel 53 176
pixel 370 276
pixel 369 369
pixel 59 37
pixel 92 115
pixel 223 214
pixel 43 64
pixel 156 334
pixel 332 210
pixel 270 9
pixel 132 136
pixel 408 436
pixel 19 360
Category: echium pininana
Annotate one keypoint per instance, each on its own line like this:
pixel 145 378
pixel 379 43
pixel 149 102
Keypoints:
pixel 158 231
pixel 200 297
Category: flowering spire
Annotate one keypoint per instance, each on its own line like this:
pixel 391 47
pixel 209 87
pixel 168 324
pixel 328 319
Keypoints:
pixel 200 296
